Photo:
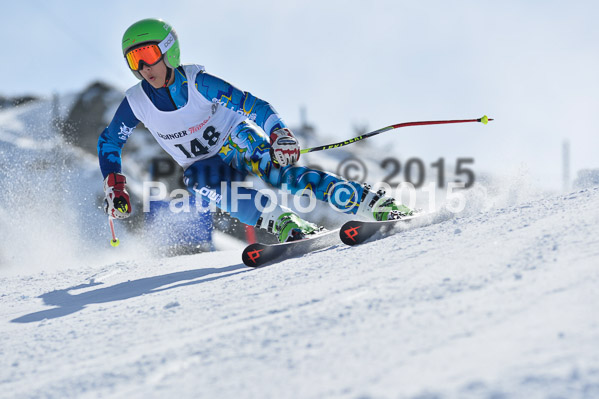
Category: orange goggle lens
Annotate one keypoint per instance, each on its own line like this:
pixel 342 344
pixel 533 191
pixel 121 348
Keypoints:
pixel 149 54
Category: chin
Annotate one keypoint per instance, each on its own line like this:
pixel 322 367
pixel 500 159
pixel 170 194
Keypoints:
pixel 154 84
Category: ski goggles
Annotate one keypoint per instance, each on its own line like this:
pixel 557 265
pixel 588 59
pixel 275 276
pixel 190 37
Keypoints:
pixel 150 53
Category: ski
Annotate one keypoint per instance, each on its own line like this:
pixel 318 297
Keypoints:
pixel 356 232
pixel 258 255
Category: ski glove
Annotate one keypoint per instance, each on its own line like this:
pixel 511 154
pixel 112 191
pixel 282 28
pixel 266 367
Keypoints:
pixel 116 203
pixel 284 147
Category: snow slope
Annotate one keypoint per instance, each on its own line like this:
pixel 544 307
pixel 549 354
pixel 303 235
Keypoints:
pixel 500 302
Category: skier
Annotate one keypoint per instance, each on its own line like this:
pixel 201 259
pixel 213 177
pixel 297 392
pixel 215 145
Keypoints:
pixel 205 123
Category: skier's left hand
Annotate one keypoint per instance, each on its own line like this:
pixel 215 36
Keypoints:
pixel 284 147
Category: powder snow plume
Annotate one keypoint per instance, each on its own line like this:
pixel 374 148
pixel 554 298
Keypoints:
pixel 49 214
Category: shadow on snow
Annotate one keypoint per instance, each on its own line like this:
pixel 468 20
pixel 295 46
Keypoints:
pixel 70 303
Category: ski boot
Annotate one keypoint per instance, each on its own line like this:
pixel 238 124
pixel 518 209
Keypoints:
pixel 290 227
pixel 286 225
pixel 377 206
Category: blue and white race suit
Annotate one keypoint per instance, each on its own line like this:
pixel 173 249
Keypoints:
pixel 211 126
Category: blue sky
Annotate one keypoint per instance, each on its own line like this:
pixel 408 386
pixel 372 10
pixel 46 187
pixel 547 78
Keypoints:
pixel 532 65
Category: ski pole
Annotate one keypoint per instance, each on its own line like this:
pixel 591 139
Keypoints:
pixel 483 120
pixel 114 241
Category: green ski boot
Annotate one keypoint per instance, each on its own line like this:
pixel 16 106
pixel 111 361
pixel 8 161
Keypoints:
pixel 286 225
pixel 379 207
pixel 290 227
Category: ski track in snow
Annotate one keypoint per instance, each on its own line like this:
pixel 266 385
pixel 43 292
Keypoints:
pixel 496 304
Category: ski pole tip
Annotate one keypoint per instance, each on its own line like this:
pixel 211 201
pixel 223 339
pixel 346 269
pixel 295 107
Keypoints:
pixel 485 119
pixel 115 242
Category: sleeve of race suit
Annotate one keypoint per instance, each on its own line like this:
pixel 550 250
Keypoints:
pixel 113 138
pixel 259 111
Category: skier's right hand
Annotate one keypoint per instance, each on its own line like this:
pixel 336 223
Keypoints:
pixel 116 203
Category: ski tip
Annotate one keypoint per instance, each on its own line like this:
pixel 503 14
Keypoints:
pixel 485 119
pixel 350 233
pixel 252 255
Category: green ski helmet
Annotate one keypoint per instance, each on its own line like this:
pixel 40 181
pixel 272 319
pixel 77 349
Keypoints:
pixel 155 31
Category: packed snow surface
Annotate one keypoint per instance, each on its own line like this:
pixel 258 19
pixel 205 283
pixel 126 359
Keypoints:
pixel 500 302
pixel 497 301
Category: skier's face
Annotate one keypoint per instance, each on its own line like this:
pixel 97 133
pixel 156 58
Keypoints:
pixel 155 74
